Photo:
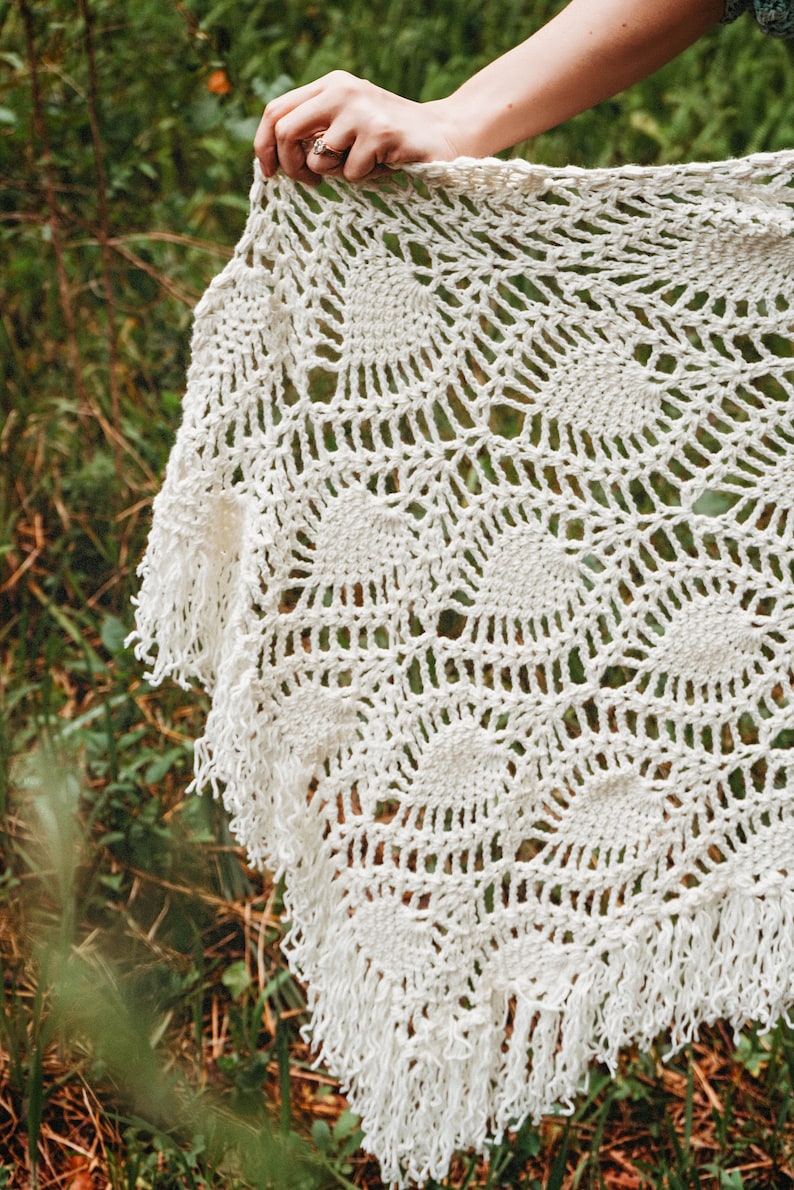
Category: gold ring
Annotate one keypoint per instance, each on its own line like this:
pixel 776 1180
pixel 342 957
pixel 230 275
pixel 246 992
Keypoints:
pixel 323 150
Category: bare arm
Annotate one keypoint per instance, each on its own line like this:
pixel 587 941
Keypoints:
pixel 591 50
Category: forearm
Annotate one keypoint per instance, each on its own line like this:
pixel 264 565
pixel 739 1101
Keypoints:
pixel 591 50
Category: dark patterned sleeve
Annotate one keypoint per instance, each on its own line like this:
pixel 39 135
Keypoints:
pixel 775 17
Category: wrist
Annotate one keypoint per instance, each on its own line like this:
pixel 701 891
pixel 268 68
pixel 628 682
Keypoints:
pixel 466 125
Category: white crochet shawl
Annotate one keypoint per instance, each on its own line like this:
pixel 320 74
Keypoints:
pixel 479 530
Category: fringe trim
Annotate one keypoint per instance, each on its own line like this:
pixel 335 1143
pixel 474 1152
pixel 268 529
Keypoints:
pixel 430 1077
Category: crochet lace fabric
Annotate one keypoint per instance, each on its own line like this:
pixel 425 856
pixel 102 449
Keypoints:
pixel 479 529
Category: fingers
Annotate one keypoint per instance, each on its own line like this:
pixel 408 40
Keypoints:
pixel 297 130
pixel 265 145
pixel 342 125
pixel 338 125
pixel 277 145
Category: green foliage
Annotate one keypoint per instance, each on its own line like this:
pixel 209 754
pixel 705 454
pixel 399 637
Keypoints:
pixel 125 158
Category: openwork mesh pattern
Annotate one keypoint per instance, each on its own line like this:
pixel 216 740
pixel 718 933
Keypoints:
pixel 479 528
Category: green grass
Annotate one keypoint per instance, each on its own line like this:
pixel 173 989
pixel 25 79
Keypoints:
pixel 148 1028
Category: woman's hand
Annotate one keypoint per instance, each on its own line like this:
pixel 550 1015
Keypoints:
pixel 343 124
pixel 590 50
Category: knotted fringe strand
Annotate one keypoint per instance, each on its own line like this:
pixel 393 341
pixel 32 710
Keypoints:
pixel 454 1077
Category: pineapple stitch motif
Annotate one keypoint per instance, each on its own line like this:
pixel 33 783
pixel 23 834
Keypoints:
pixel 479 530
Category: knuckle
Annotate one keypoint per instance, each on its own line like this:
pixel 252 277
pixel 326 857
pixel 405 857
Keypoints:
pixel 346 85
pixel 382 134
pixel 340 76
